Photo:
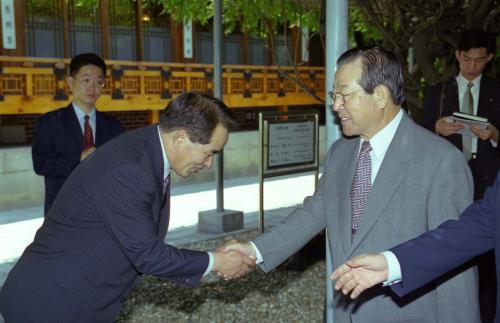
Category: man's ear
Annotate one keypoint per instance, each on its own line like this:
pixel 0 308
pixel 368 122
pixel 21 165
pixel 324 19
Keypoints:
pixel 179 137
pixel 490 57
pixel 70 80
pixel 381 96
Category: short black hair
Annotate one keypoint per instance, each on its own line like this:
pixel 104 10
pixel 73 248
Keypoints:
pixel 198 114
pixel 476 38
pixel 379 67
pixel 84 59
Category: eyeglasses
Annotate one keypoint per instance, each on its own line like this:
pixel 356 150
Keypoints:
pixel 338 97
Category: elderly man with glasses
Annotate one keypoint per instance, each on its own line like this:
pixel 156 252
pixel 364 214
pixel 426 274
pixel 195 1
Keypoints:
pixel 387 181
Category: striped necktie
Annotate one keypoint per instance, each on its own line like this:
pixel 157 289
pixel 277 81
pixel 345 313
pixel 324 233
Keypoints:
pixel 88 136
pixel 361 185
pixel 468 107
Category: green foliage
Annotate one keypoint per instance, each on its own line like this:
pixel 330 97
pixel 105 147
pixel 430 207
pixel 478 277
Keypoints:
pixel 255 17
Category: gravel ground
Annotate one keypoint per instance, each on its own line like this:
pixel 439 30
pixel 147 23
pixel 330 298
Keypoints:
pixel 280 296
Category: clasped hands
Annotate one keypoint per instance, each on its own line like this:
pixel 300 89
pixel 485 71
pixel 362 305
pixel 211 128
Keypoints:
pixel 234 259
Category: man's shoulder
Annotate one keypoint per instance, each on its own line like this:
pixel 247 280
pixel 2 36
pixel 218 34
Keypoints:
pixel 438 86
pixel 427 142
pixel 57 113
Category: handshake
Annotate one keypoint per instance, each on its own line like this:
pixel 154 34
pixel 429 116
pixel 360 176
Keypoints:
pixel 234 259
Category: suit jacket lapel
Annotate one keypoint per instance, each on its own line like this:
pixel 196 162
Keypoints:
pixel 156 156
pixel 99 128
pixel 72 128
pixel 485 97
pixel 388 179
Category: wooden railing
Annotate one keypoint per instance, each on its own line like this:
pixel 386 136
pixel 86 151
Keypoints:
pixel 37 85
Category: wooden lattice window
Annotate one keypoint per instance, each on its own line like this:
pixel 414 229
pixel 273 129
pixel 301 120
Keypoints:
pixel 43 84
pixel 237 85
pixel 273 85
pixel 153 84
pixel 177 85
pixel 257 85
pixel 131 85
pixel 14 84
pixel 290 86
pixel 225 90
pixel 199 84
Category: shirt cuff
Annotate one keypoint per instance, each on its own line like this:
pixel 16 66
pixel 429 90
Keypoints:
pixel 258 255
pixel 394 275
pixel 493 143
pixel 210 263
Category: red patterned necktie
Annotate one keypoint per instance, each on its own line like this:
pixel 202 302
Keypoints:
pixel 88 137
pixel 361 185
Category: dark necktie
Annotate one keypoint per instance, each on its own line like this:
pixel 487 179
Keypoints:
pixel 468 107
pixel 88 137
pixel 361 185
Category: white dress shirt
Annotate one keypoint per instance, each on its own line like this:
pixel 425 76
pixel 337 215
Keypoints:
pixel 380 143
pixel 166 172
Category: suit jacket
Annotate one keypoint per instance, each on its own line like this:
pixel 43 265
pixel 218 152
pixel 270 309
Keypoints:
pixel 451 244
pixel 106 227
pixel 422 181
pixel 487 164
pixel 58 143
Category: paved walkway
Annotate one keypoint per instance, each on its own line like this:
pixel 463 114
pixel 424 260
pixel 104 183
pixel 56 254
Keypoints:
pixel 18 227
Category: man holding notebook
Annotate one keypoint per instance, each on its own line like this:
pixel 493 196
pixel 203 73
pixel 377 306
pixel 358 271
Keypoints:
pixel 471 93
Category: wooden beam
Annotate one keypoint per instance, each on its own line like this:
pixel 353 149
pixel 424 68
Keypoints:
pixel 139 31
pixel 104 10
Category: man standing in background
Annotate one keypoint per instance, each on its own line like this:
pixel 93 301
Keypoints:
pixel 472 92
pixel 64 137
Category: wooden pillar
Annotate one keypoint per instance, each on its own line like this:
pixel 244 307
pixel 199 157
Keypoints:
pixel 270 54
pixel 139 31
pixel 65 17
pixel 104 10
pixel 245 49
pixel 176 35
pixel 296 45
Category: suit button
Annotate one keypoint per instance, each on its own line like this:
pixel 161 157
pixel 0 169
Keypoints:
pixel 123 300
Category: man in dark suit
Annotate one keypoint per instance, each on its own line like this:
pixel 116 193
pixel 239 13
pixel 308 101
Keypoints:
pixel 66 136
pixel 472 92
pixel 476 49
pixel 417 262
pixel 108 223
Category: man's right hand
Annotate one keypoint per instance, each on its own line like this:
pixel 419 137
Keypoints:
pixel 360 273
pixel 232 264
pixel 87 152
pixel 445 128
